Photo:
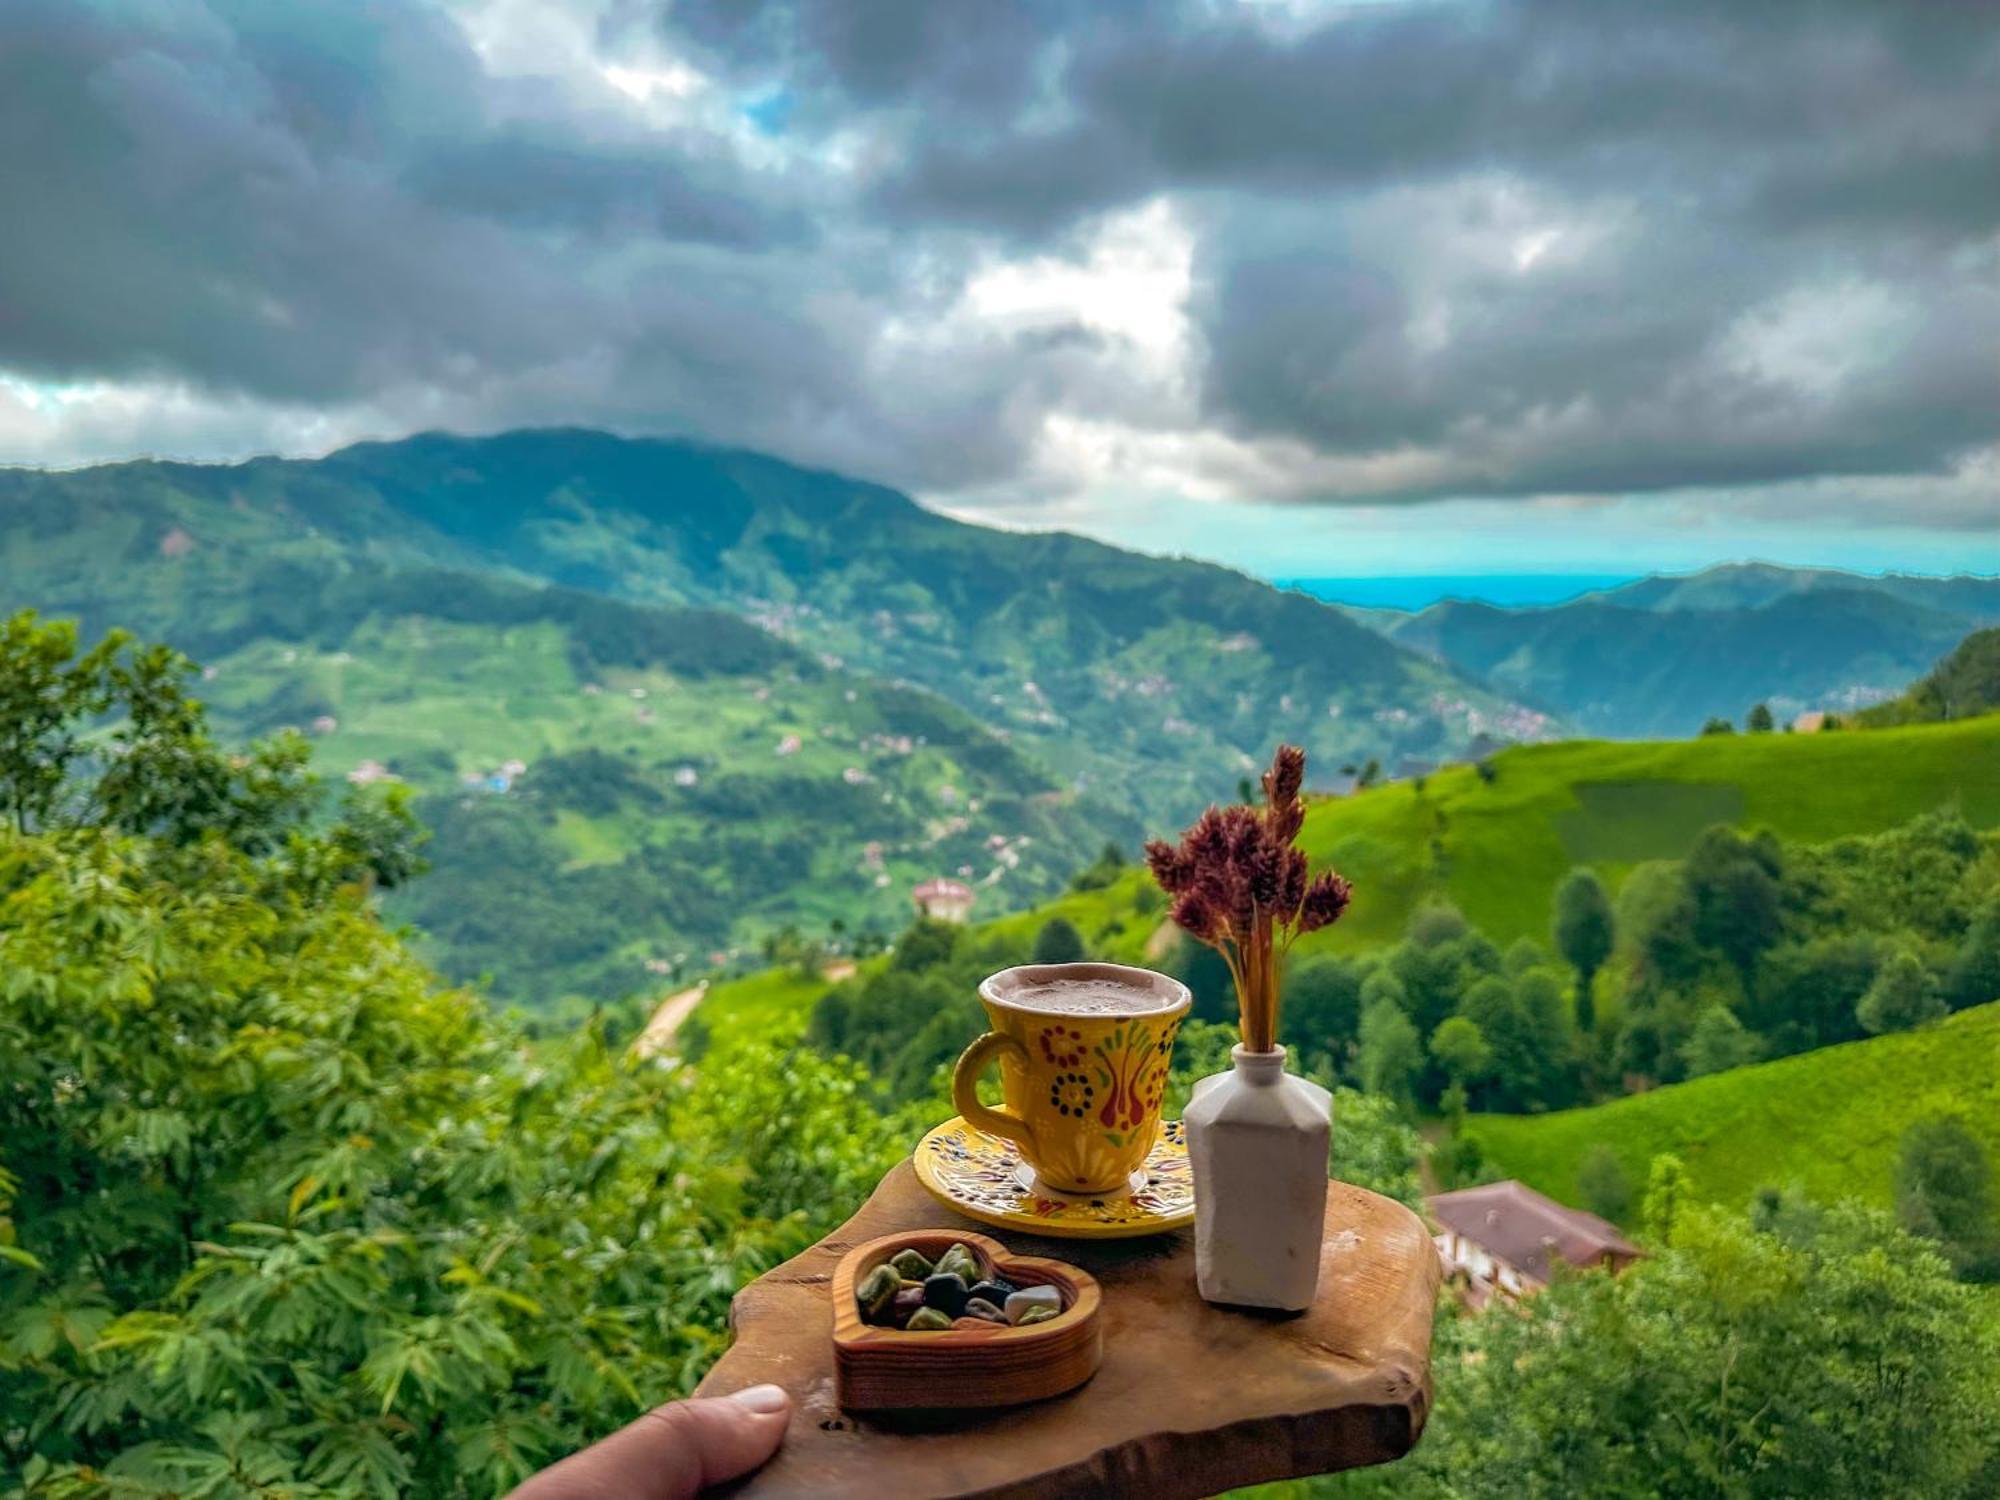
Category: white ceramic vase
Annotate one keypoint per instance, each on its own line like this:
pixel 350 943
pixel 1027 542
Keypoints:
pixel 1258 1139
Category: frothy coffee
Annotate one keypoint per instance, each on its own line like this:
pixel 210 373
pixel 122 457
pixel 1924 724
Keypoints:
pixel 1089 997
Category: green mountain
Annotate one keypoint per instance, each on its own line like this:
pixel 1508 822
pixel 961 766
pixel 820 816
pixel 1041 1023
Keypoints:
pixel 1752 585
pixel 1663 655
pixel 1829 1121
pixel 722 695
pixel 1149 682
pixel 1962 686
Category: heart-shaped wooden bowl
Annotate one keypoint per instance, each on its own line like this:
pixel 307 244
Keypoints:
pixel 882 1369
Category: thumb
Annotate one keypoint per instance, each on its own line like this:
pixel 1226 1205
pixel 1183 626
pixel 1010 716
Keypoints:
pixel 674 1452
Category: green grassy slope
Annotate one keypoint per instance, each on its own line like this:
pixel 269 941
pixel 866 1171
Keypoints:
pixel 1498 849
pixel 1829 1121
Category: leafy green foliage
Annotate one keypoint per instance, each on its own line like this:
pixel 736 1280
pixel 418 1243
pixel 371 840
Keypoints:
pixel 1602 1181
pixel 1584 933
pixel 1839 1360
pixel 277 1211
pixel 1944 1191
pixel 1903 995
pixel 1058 942
pixel 1718 1042
pixel 1391 1051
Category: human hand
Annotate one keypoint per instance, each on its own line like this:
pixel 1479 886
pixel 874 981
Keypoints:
pixel 674 1452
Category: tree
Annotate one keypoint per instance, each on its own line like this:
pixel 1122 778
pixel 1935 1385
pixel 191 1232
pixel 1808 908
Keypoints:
pixel 1102 871
pixel 925 944
pixel 1058 942
pixel 1391 1052
pixel 1760 720
pixel 1902 996
pixel 1436 923
pixel 109 739
pixel 1527 1026
pixel 1944 1191
pixel 1718 1042
pixel 1459 1047
pixel 1833 1357
pixel 1602 1183
pixel 1975 970
pixel 1322 1006
pixel 1718 726
pixel 1808 992
pixel 1667 1191
pixel 1583 932
pixel 1737 907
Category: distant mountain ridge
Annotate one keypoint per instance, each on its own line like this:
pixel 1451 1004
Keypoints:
pixel 1151 683
pixel 1660 656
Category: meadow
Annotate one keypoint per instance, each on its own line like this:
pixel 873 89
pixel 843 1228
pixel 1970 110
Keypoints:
pixel 1496 843
pixel 1829 1122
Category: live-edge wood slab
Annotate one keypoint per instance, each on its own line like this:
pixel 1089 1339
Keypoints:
pixel 1190 1399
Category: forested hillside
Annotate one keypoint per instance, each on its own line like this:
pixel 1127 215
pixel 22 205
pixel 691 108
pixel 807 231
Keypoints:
pixel 1661 656
pixel 617 791
pixel 1964 685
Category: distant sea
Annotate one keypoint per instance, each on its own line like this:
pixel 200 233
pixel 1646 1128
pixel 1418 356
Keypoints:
pixel 1414 591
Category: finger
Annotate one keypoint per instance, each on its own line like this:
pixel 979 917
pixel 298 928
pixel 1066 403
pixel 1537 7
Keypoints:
pixel 673 1452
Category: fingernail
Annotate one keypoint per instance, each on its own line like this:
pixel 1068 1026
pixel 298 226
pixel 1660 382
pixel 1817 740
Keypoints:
pixel 762 1398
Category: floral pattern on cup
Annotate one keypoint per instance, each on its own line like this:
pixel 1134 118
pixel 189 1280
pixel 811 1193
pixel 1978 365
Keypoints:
pixel 1071 1094
pixel 1062 1045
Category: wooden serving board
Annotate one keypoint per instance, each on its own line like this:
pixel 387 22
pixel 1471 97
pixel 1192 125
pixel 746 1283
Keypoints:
pixel 1189 1399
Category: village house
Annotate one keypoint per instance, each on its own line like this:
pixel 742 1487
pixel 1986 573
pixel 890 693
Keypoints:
pixel 944 900
pixel 1506 1238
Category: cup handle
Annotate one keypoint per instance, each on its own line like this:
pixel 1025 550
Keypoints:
pixel 965 1091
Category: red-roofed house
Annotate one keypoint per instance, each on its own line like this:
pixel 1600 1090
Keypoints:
pixel 1506 1237
pixel 944 900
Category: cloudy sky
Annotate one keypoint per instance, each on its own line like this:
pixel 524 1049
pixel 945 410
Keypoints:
pixel 1402 287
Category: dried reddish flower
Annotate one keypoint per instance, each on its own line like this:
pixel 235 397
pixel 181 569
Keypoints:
pixel 1326 898
pixel 1242 886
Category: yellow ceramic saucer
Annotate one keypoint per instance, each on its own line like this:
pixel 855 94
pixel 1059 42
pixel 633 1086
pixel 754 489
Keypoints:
pixel 984 1178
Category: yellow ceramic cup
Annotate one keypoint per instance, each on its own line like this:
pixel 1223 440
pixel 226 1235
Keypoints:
pixel 1082 1090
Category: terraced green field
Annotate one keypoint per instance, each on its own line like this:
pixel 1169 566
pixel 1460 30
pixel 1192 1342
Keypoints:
pixel 1829 1121
pixel 1497 849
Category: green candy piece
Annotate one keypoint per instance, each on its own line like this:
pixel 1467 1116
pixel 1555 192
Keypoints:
pixel 911 1265
pixel 1037 1315
pixel 960 1261
pixel 876 1290
pixel 927 1320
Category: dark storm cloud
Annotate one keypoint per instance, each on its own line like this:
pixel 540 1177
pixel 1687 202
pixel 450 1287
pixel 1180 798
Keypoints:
pixel 1480 247
pixel 1752 161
